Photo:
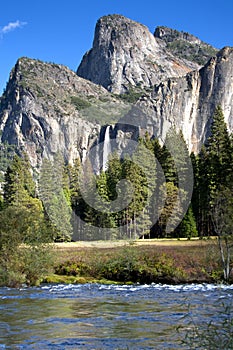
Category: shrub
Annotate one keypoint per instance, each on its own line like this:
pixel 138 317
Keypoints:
pixel 25 255
pixel 80 103
pixel 132 95
pixel 127 265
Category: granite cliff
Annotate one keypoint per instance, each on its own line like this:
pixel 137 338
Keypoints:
pixel 185 45
pixel 130 80
pixel 46 108
pixel 188 102
pixel 126 54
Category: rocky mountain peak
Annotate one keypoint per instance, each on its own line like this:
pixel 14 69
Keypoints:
pixel 169 35
pixel 47 108
pixel 185 45
pixel 225 52
pixel 126 54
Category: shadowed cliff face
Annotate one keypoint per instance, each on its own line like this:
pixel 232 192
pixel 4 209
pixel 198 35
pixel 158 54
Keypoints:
pixel 47 108
pixel 188 103
pixel 126 54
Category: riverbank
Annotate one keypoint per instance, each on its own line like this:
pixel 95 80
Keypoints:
pixel 141 261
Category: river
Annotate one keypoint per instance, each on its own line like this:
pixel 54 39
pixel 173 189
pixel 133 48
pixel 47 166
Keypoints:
pixel 94 316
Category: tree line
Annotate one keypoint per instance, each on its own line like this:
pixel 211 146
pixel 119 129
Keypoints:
pixel 143 206
pixel 136 197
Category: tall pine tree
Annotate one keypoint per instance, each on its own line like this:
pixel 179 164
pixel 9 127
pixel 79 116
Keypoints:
pixel 214 171
pixel 54 192
pixel 19 186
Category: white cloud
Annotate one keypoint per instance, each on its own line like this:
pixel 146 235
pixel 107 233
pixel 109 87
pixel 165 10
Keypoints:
pixel 12 26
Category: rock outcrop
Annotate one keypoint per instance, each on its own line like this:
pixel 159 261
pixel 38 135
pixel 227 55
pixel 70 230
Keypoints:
pixel 188 103
pixel 169 35
pixel 185 45
pixel 126 54
pixel 47 108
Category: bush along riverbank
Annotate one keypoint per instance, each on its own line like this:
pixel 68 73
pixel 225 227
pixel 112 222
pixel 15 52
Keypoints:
pixel 143 265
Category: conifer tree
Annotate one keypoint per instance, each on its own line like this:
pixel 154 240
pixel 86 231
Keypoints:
pixel 201 194
pixel 219 152
pixel 177 169
pixel 120 195
pixel 214 170
pixel 169 191
pixel 104 219
pixel 195 194
pixel 54 194
pixel 77 203
pixel 19 185
pixel 146 159
pixel 22 221
pixel 187 227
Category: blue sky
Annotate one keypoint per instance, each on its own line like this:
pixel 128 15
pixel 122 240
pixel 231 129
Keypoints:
pixel 62 31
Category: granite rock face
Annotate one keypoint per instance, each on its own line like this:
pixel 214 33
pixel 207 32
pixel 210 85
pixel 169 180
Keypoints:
pixel 42 111
pixel 126 54
pixel 47 108
pixel 185 45
pixel 188 103
pixel 169 35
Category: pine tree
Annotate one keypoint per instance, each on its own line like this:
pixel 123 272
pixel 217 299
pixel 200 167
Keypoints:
pixel 119 194
pixel 19 185
pixel 187 228
pixel 140 171
pixel 170 192
pixel 201 194
pixel 177 169
pixel 146 159
pixel 219 152
pixel 214 170
pixel 54 194
pixel 77 203
pixel 104 218
pixel 22 220
pixel 168 165
pixel 195 194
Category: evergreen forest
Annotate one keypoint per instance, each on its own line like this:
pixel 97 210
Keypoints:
pixel 58 200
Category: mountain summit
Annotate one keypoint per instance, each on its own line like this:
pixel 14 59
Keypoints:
pixel 47 108
pixel 185 45
pixel 126 54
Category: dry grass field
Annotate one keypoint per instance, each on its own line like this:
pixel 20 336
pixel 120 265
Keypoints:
pixel 140 242
pixel 191 260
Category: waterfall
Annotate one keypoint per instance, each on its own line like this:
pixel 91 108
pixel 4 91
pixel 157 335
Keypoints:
pixel 98 154
pixel 106 147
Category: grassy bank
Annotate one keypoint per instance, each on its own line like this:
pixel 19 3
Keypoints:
pixel 142 261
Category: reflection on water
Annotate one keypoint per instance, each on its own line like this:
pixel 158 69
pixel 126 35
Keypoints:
pixel 102 317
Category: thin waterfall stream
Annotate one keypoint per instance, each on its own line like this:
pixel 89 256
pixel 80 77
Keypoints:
pixel 106 147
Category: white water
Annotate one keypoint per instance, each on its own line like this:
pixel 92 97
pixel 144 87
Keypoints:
pixel 106 148
pixel 95 316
